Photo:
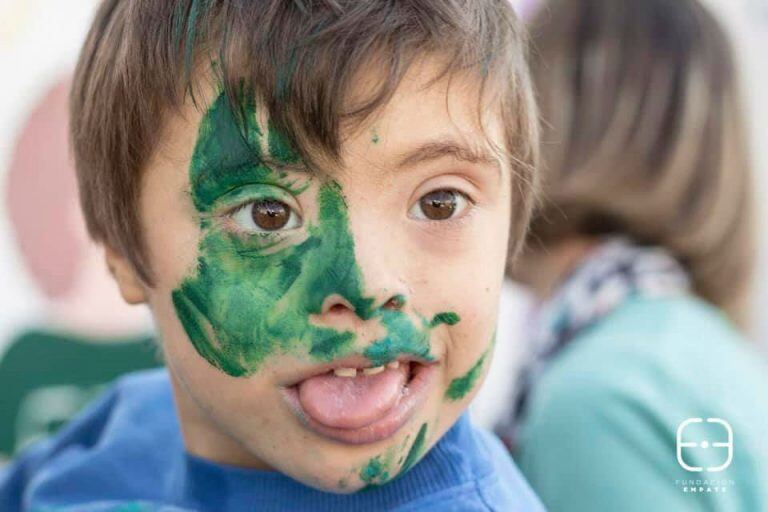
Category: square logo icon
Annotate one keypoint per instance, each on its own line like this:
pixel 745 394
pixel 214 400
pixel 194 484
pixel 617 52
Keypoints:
pixel 701 442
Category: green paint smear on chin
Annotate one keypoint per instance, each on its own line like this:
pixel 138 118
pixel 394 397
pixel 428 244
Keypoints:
pixel 375 473
pixel 252 296
pixel 416 451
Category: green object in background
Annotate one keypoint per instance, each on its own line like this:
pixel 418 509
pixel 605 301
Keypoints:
pixel 47 377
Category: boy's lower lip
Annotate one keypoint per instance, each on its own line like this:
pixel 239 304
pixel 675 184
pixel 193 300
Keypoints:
pixel 413 395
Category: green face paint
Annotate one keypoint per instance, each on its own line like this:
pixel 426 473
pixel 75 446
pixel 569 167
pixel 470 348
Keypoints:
pixel 251 296
pixel 378 469
pixel 448 318
pixel 375 472
pixel 405 338
pixel 416 451
pixel 460 386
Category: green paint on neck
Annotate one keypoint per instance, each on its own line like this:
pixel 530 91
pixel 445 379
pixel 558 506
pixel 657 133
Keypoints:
pixel 459 387
pixel 250 297
pixel 375 137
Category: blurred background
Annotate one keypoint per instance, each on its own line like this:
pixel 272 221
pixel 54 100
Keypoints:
pixel 64 330
pixel 53 279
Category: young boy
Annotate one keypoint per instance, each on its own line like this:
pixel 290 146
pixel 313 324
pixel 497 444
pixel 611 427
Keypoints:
pixel 314 199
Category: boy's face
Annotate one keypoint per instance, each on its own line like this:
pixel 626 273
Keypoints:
pixel 328 325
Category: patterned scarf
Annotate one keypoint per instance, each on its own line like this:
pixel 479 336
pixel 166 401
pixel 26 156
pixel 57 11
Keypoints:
pixel 612 272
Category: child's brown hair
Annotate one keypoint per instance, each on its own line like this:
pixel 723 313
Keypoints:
pixel 299 56
pixel 644 136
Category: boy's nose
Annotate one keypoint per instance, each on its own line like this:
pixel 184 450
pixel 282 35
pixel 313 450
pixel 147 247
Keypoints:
pixel 340 314
pixel 337 305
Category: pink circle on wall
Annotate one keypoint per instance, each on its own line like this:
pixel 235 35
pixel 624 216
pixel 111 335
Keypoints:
pixel 42 196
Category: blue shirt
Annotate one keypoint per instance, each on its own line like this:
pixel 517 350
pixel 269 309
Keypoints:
pixel 125 453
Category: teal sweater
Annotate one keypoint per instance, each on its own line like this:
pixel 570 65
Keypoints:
pixel 600 432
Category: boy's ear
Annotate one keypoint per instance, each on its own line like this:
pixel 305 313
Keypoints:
pixel 128 281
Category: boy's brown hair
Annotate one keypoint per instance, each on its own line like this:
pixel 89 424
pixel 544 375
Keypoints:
pixel 644 136
pixel 300 57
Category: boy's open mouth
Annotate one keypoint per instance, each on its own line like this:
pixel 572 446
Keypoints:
pixel 351 402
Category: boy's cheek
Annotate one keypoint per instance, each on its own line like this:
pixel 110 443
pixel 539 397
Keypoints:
pixel 468 345
pixel 469 357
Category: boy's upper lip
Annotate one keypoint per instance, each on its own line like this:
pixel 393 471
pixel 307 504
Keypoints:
pixel 358 361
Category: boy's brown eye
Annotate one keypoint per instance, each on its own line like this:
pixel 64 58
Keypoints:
pixel 439 205
pixel 270 215
pixel 265 215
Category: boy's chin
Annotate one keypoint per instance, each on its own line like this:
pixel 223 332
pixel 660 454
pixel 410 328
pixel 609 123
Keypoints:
pixel 340 468
pixel 345 476
pixel 340 485
pixel 337 476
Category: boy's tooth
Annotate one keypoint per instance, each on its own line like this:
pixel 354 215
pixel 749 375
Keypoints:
pixel 393 365
pixel 345 372
pixel 373 371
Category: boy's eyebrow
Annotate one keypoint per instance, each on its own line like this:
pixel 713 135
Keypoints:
pixel 278 165
pixel 433 150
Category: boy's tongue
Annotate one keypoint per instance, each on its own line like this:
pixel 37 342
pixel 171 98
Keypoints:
pixel 352 402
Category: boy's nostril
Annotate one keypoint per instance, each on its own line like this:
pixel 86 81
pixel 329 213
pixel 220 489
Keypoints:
pixel 395 303
pixel 338 308
pixel 336 304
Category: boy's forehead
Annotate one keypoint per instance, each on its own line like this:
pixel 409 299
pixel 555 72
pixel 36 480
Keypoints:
pixel 427 92
pixel 451 108
pixel 428 116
